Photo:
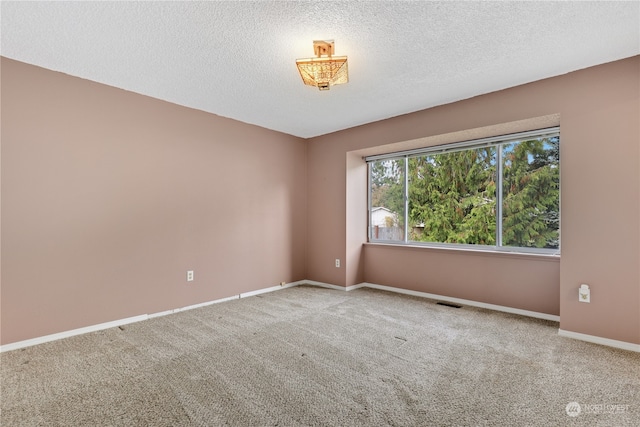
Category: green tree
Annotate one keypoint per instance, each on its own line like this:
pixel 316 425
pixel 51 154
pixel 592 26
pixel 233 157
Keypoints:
pixel 531 193
pixel 387 186
pixel 453 195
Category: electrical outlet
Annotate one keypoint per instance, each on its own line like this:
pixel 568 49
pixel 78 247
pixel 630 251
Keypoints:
pixel 283 283
pixel 584 293
pixel 190 276
pixel 337 263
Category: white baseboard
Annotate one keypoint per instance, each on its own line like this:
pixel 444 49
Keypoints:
pixel 461 301
pixel 358 286
pixel 575 335
pixel 191 307
pixel 161 313
pixel 330 286
pixel 120 322
pixel 71 333
pixel 599 340
pixel 271 289
pixel 115 323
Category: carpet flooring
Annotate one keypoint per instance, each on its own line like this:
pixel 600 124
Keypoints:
pixel 308 356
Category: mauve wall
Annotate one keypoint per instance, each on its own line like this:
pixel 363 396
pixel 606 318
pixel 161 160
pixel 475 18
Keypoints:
pixel 109 197
pixel 509 280
pixel 598 110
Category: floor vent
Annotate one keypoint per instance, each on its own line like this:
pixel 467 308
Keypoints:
pixel 448 304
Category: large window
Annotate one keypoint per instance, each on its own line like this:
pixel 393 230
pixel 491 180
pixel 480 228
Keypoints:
pixel 496 193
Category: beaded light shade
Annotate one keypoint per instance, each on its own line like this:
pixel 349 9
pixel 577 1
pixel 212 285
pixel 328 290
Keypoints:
pixel 325 70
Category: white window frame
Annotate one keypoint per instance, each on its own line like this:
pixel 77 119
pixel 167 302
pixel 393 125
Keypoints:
pixel 448 148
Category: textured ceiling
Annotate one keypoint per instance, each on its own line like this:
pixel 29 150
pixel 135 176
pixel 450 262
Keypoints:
pixel 237 59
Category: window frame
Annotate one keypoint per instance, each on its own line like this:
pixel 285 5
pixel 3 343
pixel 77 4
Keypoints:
pixel 494 141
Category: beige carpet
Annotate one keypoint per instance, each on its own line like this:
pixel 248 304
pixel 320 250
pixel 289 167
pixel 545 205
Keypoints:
pixel 319 357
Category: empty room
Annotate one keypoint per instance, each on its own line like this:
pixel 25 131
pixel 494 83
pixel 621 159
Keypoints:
pixel 288 213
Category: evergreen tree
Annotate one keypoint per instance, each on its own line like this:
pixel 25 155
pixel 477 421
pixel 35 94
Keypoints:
pixel 531 193
pixel 453 195
pixel 387 187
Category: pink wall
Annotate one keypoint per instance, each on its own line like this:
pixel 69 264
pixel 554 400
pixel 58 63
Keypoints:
pixel 109 197
pixel 517 281
pixel 598 110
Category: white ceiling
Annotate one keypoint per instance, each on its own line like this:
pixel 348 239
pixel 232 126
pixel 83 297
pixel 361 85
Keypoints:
pixel 237 59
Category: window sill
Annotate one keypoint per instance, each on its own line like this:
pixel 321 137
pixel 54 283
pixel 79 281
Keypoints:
pixel 467 251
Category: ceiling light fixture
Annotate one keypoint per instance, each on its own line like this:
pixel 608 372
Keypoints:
pixel 324 70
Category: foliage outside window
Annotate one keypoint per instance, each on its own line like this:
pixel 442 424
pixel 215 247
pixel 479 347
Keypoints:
pixel 498 193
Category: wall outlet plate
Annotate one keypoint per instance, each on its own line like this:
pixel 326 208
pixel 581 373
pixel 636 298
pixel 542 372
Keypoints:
pixel 584 293
pixel 190 276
